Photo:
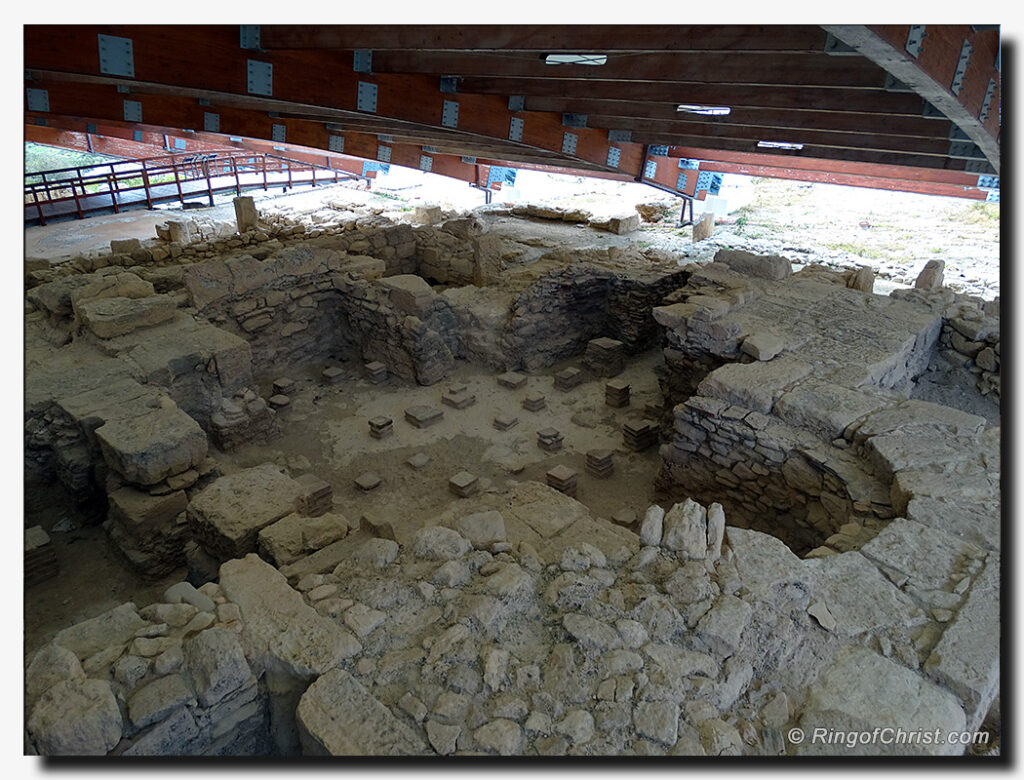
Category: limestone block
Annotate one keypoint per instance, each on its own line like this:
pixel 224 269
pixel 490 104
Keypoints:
pixel 754 385
pixel 294 535
pixel 501 736
pixel 216 661
pixel 246 216
pixel 227 516
pixel 966 659
pixel 859 597
pixel 762 266
pixel 409 293
pixel 723 625
pixel 55 296
pixel 438 543
pixel 931 276
pixel 158 699
pixel 144 515
pixel 76 718
pixel 117 626
pixel 124 246
pixel 624 223
pixel 703 229
pixel 764 564
pixel 51 665
pixel 657 720
pixel 110 317
pixel 207 282
pixel 279 630
pixel 763 346
pixel 154 446
pixel 482 528
pixel 337 716
pixel 123 285
pixel 686 531
pixel 862 691
pixel 652 527
pixel 177 735
pixel 862 279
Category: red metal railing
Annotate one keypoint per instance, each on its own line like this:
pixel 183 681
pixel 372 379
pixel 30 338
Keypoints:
pixel 122 184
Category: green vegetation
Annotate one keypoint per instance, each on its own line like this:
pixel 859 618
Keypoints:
pixel 855 248
pixel 48 158
pixel 978 213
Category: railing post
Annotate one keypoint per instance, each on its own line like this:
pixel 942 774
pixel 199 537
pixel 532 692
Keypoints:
pixel 145 184
pixel 39 208
pixel 289 176
pixel 177 181
pixel 112 183
pixel 312 170
pixel 74 191
pixel 238 181
pixel 209 181
pixel 264 159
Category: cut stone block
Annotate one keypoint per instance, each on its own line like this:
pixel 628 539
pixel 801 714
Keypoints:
pixel 279 401
pixel 419 460
pixel 563 479
pixel 151 447
pixel 367 481
pixel 464 484
pixel 762 346
pixel 227 516
pixel 568 378
pixel 332 374
pixel 246 216
pixel 534 401
pixel 513 380
pixel 110 317
pixel 504 421
pixel 283 386
pixel 458 400
pixel 409 293
pixel 376 371
pixel 423 416
pixel 762 266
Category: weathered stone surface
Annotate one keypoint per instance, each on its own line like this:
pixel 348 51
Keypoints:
pixel 722 626
pixel 754 385
pixel 928 558
pixel 686 530
pixel 657 720
pixel 151 447
pixel 591 633
pixel 51 665
pixel 763 266
pixel 966 659
pixel 763 346
pixel 337 716
pixel 862 691
pixel 227 516
pixel 482 528
pixel 653 525
pixel 931 275
pixel 765 564
pixel 118 626
pixel 217 664
pixel 76 718
pixel 158 699
pixel 442 737
pixel 377 553
pixel 437 543
pixel 177 735
pixel 501 736
pixel 294 535
pixel 115 316
pixel 279 628
pixel 246 216
pixel 410 293
pixel 186 593
pixel 858 596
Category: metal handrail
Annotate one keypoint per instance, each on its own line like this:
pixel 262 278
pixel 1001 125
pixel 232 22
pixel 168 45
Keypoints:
pixel 120 177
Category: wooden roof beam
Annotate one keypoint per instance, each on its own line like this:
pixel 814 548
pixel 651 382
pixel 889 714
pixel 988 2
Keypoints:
pixel 545 38
pixel 930 71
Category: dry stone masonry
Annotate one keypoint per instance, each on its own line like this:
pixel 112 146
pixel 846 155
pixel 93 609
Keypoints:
pixel 778 531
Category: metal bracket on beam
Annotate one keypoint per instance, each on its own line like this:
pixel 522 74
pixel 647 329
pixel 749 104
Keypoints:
pixel 278 132
pixel 249 36
pixel 620 136
pixel 41 121
pixel 426 162
pixel 614 154
pixel 429 149
pixel 362 61
pixel 137 135
pixel 211 122
pixel 988 182
pixel 992 196
pixel 682 180
pixel 122 89
pixel 516 102
pixel 961 67
pixel 336 143
pixel 204 101
pixel 384 153
pixel 835 46
pixel 450 114
pixel 690 165
pixel 259 77
pixel 915 40
pixel 569 143
pixel 650 169
pixel 38 100
pixel 990 91
pixel 116 58
pixel 658 151
pixel 893 84
pixel 515 129
pixel 385 138
pixel 274 114
pixel 90 128
pixel 450 84
pixel 574 120
pixel 366 97
pixel 469 160
pixel 132 111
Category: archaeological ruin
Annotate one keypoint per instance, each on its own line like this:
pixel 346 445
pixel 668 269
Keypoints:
pixel 504 480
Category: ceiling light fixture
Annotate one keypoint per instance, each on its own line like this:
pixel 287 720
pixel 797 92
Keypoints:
pixel 689 108
pixel 575 59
